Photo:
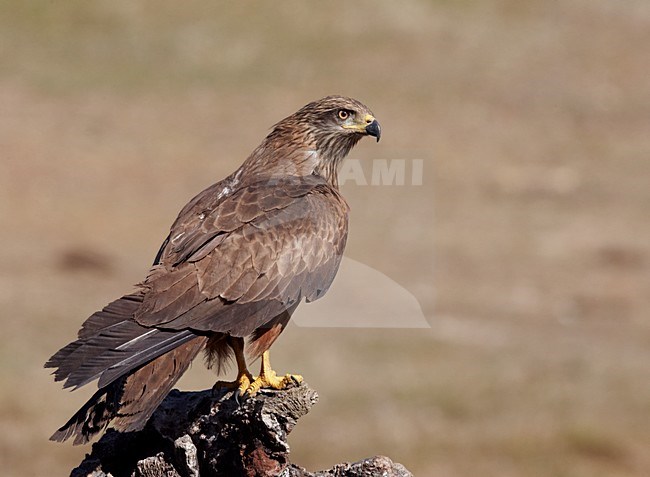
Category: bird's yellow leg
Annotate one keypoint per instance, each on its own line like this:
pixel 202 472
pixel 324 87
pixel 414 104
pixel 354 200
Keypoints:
pixel 269 379
pixel 244 377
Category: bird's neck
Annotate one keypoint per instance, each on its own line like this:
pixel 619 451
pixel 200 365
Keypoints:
pixel 279 157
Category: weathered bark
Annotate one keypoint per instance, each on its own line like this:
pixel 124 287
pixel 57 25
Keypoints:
pixel 206 434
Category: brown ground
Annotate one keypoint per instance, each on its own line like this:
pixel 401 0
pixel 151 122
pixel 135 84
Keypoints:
pixel 527 246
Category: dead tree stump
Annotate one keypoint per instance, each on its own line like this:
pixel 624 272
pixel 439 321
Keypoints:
pixel 206 434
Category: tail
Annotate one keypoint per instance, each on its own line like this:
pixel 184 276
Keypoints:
pixel 129 401
pixel 136 367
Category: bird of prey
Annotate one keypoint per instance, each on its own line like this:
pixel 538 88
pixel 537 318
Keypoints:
pixel 238 260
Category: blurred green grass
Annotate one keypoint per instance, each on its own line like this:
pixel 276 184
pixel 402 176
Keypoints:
pixel 527 245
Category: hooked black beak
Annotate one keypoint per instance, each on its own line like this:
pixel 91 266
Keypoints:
pixel 374 129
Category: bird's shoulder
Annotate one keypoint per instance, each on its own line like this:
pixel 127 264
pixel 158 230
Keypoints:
pixel 227 206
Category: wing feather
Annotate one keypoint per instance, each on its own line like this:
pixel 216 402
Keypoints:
pixel 267 248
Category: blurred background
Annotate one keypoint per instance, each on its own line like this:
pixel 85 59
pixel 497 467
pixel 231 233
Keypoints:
pixel 527 246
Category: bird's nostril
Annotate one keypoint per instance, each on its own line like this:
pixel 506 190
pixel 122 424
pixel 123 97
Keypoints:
pixel 368 120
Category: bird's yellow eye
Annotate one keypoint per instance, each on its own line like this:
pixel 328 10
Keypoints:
pixel 343 114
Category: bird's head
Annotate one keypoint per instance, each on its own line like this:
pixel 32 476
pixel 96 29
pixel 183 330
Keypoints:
pixel 337 119
pixel 317 137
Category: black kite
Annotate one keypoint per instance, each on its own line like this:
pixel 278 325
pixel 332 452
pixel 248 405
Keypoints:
pixel 237 262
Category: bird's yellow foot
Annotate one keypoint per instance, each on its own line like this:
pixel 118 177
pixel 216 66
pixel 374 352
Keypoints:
pixel 269 379
pixel 244 377
pixel 272 381
pixel 242 383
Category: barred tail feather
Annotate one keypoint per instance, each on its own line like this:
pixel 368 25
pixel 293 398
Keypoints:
pixel 135 365
pixel 128 401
